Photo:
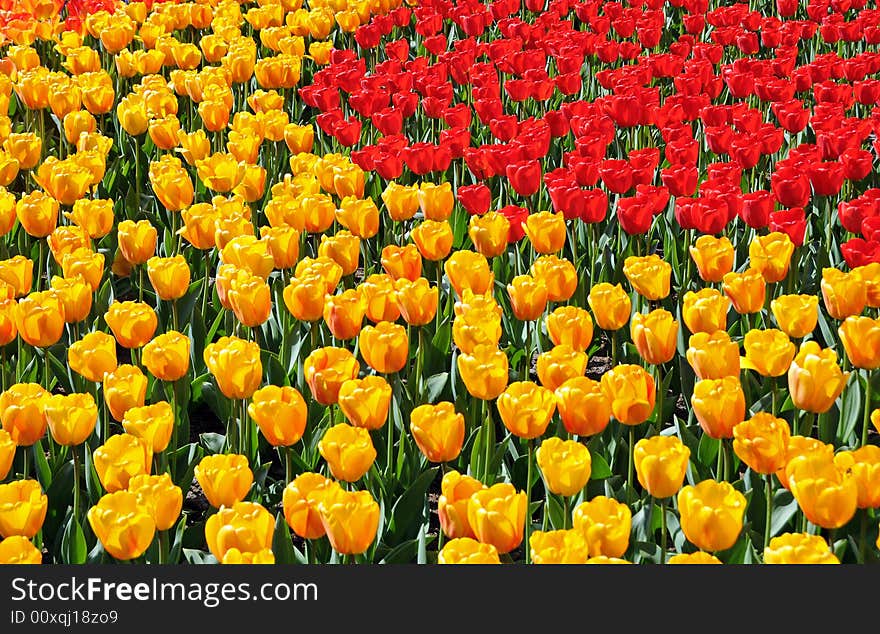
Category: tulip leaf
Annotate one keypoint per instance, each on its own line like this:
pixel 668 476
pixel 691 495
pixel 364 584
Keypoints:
pixel 60 498
pixel 44 472
pixel 402 553
pixel 213 442
pixel 600 468
pixel 851 411
pixel 435 385
pixel 784 509
pixel 282 546
pixel 198 557
pixel 708 450
pixel 409 506
pixel 93 483
pixel 198 338
pixel 73 543
pixel 177 545
pixel 97 555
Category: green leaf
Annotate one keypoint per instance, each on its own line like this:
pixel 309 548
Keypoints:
pixel 282 546
pixel 851 414
pixel 402 553
pixel 708 450
pixel 435 385
pixel 784 509
pixel 600 468
pixel 408 507
pixel 44 473
pixel 174 554
pixel 73 543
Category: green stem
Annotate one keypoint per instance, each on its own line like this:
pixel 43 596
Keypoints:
pixel 26 469
pixel 163 547
pixel 867 417
pixel 566 512
pixel 768 489
pixel 206 285
pixel 663 536
pixel 528 527
pixel 487 450
pixel 630 488
pixel 140 268
pixel 175 419
pixel 76 492
pixel 288 465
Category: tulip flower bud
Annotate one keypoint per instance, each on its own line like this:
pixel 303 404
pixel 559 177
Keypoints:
pixel 235 365
pixel 348 451
pixel 558 547
pixel 705 310
pixel 860 337
pixel 75 295
pixel 546 231
pixel 300 501
pixel 826 494
pixel 654 335
pixel 649 275
pixel 169 276
pixel 71 417
pixel 558 275
pixel 497 516
pixel 385 347
pixel 605 523
pixel 610 304
pixel 39 318
pixel 122 524
pixel 799 548
pixel 863 466
pixel 160 497
pixel 120 458
pixel 771 255
pixel 484 372
pixel 559 364
pixel 814 378
pixel 452 507
pixel 167 356
pixel 344 248
pixel 7 453
pixel 433 238
pixel 768 352
pixel 365 402
pixel 711 514
pixel 23 507
pixel 565 465
pixel 19 550
pixel 326 369
pixel 464 550
pixel 719 405
pixel 344 314
pixel 489 233
pixel 698 557
pixel 93 356
pixel 438 431
pixel 436 201
pixel 132 323
pixel 844 294
pixel 468 269
pixel 280 413
pixel 762 442
pixel 304 297
pixel 137 240
pixel 713 257
pixel 22 412
pixel 225 478
pixel 153 424
pixel 243 526
pixel 402 262
pixel 745 290
pixel 570 325
pixel 661 463
pixel 713 356
pixel 350 519
pixel 631 392
pixel 528 297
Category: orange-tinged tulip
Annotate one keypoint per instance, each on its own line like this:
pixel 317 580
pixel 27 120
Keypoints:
pixel 771 255
pixel 705 310
pixel 844 294
pixel 478 326
pixel 815 380
pixel 7 210
pixel 469 269
pixel 169 276
pixel 870 274
pixel 661 463
pixel 350 519
pixel 796 315
pixel 154 424
pixel 249 253
pixel 417 300
pixel 452 507
pixel 326 369
pixel 762 442
pixel 713 257
pixel 484 372
pixel 631 391
pixel 344 314
pixel 120 458
pixel 528 297
pixel 719 405
pixel 64 180
pixel 283 245
pixel 7 453
pixel 76 123
pixel 348 450
pixel 167 356
pixel 250 298
pixel 863 466
pixel 71 417
pixel 402 262
pixel 131 112
pixel 436 201
pixel 546 231
pixel 385 347
pixel 558 275
pixel 799 548
pixel 649 275
pixel 360 217
pixel 159 496
pixel 133 323
pixel 746 290
pixel 344 248
pixel 654 335
pixel 23 507
pixel 244 526
pixel 124 526
pixel 84 262
pixel 497 516
pixel 380 298
pixel 570 325
pixel 137 240
pixel 464 550
pixel 584 408
pixel 565 465
pixel 768 352
pixel 558 547
pixel 24 147
pixel 235 365
pixel 299 138
pixel 8 329
pixel 22 411
pixel 489 233
pixel 801 446
pixel 95 216
pixel 438 431
pixel 225 478
pixel 304 297
pixel 401 201
pixel 711 514
pixel 826 494
pixel 300 502
pixel 610 304
pixel 18 272
pixel 19 550
pixel 860 337
pixel 605 523
pixel 559 364
pixel 193 146
pixel 67 239
pixel 220 172
pixel 713 356
pixel 93 356
pixel 280 413
pixel 39 318
pixel 38 213
pixel 526 408
pixel 365 402
pixel 433 238
pixel 698 557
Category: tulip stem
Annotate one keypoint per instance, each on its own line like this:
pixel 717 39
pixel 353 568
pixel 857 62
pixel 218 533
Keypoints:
pixel 75 483
pixel 46 370
pixel 768 489
pixel 205 286
pixel 629 467
pixel 288 464
pixel 807 424
pixel 140 268
pixel 163 547
pixel 175 321
pixel 613 348
pixel 566 512
pixel 867 417
pixel 26 468
pixel 174 417
pixel 528 531
pixel 40 257
pixel 663 536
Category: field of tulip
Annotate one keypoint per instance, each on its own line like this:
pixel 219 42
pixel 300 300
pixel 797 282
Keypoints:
pixel 440 281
